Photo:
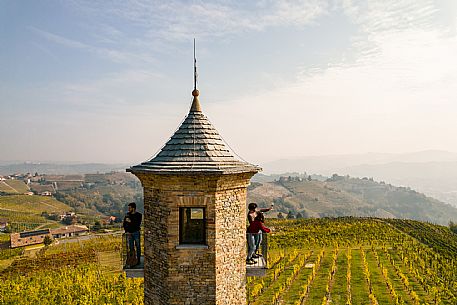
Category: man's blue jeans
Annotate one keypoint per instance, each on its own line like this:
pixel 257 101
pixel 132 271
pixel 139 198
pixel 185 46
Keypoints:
pixel 251 245
pixel 133 240
pixel 258 241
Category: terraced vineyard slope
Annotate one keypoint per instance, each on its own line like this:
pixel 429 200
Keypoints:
pixel 13 187
pixel 312 261
pixel 358 261
pixel 24 212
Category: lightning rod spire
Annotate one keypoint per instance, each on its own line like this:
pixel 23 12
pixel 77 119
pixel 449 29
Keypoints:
pixel 195 93
pixel 195 69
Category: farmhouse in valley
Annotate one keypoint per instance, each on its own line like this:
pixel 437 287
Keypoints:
pixel 37 237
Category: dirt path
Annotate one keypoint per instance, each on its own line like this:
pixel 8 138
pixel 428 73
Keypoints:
pixel 11 210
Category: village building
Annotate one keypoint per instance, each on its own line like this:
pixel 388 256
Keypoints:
pixel 29 238
pixel 195 217
pixel 37 237
pixel 69 231
pixel 108 220
pixel 66 215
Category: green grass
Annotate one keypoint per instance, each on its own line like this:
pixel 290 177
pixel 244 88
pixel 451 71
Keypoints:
pixel 51 225
pixel 292 295
pixel 338 290
pixel 377 280
pixel 266 296
pixel 359 288
pixel 317 292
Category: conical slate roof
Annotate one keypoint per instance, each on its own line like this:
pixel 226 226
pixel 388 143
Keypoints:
pixel 196 147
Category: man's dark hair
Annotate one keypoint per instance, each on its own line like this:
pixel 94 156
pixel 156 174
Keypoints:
pixel 252 206
pixel 133 205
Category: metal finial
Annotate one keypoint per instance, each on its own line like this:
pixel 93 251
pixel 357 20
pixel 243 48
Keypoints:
pixel 195 69
pixel 195 103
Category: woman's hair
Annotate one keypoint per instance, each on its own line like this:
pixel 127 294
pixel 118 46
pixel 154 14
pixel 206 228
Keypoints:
pixel 260 217
pixel 252 206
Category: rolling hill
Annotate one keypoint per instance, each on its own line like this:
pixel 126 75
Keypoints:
pixel 432 172
pixel 23 212
pixel 13 187
pixel 346 196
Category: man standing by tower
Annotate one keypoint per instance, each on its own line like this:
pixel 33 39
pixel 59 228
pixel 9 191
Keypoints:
pixel 131 224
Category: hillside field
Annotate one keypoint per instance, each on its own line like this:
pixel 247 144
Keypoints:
pixel 311 262
pixel 345 196
pixel 24 212
pixel 13 187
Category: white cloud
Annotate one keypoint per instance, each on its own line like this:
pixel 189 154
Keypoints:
pixel 115 55
pixel 398 95
pixel 178 20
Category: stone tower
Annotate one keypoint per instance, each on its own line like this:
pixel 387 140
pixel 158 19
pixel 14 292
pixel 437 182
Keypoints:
pixel 195 217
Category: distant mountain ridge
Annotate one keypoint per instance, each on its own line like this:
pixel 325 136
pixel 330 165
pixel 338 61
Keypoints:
pixel 435 179
pixel 345 196
pixel 432 172
pixel 329 164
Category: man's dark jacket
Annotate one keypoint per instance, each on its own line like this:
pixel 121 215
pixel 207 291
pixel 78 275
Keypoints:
pixel 134 224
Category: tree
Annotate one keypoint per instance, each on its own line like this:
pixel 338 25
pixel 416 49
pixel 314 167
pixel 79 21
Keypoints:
pixel 53 216
pixel 290 215
pixel 47 240
pixel 8 229
pixel 280 216
pixel 69 220
pixel 309 178
pixel 453 226
pixel 97 226
pixel 278 200
pixel 299 215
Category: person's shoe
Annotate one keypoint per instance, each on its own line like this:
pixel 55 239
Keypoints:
pixel 250 261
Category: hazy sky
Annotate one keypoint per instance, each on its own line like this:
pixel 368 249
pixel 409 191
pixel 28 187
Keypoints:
pixel 111 81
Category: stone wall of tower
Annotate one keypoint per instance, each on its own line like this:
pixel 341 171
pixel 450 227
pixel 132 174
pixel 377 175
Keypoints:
pixel 190 275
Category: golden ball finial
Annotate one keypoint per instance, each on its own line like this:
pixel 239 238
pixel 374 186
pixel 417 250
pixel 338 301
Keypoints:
pixel 195 92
